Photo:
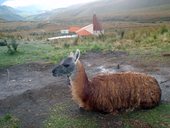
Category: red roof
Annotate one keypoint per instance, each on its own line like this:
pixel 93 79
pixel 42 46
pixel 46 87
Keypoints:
pixel 83 33
pixel 74 28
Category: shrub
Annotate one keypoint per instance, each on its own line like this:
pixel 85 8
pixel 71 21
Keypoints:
pixel 164 29
pixel 66 45
pixel 102 37
pixel 14 45
pixel 9 121
pixel 75 42
pixel 122 33
pixel 10 51
pixel 96 48
pixel 3 43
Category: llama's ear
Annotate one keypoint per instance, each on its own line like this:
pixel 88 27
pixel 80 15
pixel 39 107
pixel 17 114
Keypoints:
pixel 71 54
pixel 77 55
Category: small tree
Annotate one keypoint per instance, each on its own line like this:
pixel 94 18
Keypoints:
pixel 75 42
pixel 164 29
pixel 10 51
pixel 122 33
pixel 3 43
pixel 14 45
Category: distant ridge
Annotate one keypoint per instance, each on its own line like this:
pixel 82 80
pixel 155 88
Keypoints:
pixel 9 14
pixel 107 10
pixel 111 10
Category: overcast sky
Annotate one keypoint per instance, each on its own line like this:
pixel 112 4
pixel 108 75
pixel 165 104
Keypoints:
pixel 44 4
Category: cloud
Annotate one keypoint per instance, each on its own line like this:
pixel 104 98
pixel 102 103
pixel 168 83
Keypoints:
pixel 2 1
pixel 45 4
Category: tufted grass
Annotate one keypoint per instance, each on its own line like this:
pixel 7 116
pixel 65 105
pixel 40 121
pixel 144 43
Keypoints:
pixel 33 51
pixel 152 40
pixel 9 121
pixel 68 116
pixel 158 117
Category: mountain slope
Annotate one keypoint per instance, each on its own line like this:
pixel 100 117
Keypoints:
pixel 46 15
pixel 9 14
pixel 29 10
pixel 109 9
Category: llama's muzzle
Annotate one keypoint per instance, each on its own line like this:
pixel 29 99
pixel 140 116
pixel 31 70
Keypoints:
pixel 61 70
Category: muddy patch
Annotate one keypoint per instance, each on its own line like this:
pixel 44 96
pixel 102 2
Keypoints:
pixel 18 79
pixel 29 91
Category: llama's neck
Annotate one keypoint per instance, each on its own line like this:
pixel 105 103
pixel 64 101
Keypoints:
pixel 79 84
pixel 79 75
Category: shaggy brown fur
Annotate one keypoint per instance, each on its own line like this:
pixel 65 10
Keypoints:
pixel 114 92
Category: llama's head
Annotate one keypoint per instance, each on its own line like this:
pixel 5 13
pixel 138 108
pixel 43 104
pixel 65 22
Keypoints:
pixel 67 66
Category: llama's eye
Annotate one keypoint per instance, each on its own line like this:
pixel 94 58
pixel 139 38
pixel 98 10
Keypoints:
pixel 66 65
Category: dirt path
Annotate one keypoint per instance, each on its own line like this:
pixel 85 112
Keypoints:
pixel 29 91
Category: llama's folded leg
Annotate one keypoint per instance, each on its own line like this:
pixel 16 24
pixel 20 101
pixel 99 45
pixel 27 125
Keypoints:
pixel 115 112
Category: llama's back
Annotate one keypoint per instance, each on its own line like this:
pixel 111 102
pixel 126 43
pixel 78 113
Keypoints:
pixel 110 92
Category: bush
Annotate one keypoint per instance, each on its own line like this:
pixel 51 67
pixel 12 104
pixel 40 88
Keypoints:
pixel 12 46
pixel 66 45
pixel 122 33
pixel 9 121
pixel 75 42
pixel 3 43
pixel 96 48
pixel 164 29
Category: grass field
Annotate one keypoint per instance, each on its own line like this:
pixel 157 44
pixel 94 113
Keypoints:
pixel 9 121
pixel 134 41
pixel 152 42
pixel 156 118
pixel 41 52
pixel 63 118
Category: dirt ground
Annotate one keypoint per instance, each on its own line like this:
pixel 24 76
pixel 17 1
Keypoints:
pixel 28 91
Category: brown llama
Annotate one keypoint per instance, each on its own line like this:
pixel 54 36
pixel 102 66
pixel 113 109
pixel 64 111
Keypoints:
pixel 109 92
